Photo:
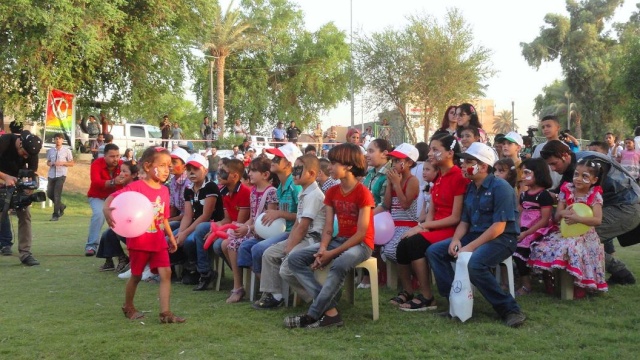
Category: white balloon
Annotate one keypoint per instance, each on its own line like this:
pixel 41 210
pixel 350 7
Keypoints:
pixel 276 228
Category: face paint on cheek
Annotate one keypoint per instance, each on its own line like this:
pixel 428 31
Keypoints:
pixel 472 170
pixel 155 171
pixel 437 155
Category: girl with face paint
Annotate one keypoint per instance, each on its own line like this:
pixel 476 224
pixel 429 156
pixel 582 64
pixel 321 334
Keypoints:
pixel 535 208
pixel 581 255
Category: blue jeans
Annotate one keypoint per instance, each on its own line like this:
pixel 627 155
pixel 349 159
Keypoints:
pixel 213 175
pixel 95 226
pixel 193 247
pixel 485 257
pixel 324 296
pixel 251 250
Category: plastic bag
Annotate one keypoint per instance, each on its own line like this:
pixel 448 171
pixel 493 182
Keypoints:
pixel 461 295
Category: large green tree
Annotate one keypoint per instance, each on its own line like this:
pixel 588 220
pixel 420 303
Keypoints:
pixel 585 51
pixel 109 50
pixel 422 64
pixel 294 74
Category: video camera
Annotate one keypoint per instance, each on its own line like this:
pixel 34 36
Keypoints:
pixel 531 130
pixel 16 197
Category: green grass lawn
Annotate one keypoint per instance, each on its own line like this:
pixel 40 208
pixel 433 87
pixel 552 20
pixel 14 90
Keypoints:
pixel 67 309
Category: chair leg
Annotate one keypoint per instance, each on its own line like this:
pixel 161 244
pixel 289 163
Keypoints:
pixel 284 287
pixel 566 285
pixel 375 304
pixel 220 267
pixel 392 275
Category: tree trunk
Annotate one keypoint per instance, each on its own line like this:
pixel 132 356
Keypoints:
pixel 410 131
pixel 220 94
pixel 578 126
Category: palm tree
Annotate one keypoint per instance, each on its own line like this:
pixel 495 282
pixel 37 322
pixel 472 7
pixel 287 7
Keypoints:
pixel 503 123
pixel 228 36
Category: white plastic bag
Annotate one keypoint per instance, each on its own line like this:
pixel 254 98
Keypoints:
pixel 461 295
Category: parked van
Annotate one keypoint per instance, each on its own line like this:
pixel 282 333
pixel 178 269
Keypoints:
pixel 134 136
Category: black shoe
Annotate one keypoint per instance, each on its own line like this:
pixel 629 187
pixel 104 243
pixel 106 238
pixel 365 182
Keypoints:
pixel 205 280
pixel 327 321
pixel 298 321
pixel 62 209
pixel 622 277
pixel 107 266
pixel 30 261
pixel 190 277
pixel 514 319
pixel 6 250
pixel 267 302
pixel 54 218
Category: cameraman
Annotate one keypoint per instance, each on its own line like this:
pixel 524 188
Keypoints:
pixel 571 141
pixel 16 151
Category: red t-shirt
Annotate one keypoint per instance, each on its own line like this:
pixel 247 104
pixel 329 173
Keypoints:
pixel 347 208
pixel 154 239
pixel 445 189
pixel 239 199
pixel 99 176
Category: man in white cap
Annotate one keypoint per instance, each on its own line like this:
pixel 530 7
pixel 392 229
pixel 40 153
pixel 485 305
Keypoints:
pixel 488 228
pixel 178 183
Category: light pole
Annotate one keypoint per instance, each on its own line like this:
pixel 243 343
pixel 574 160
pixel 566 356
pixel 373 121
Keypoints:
pixel 351 56
pixel 513 116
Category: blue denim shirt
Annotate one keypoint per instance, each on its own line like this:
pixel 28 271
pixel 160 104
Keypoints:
pixel 494 201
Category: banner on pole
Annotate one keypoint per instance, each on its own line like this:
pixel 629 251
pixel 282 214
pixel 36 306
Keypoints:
pixel 60 115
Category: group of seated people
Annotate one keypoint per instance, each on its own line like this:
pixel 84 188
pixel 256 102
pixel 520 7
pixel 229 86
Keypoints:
pixel 443 201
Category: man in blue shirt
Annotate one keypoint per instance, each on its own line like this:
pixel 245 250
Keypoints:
pixel 278 134
pixel 488 228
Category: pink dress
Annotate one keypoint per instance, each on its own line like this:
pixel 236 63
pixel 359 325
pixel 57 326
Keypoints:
pixel 581 256
pixel 532 204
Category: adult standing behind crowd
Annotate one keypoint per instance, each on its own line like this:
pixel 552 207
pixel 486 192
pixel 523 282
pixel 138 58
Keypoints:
pixel 214 162
pixel 59 158
pixel 332 135
pixel 105 124
pixel 93 129
pixel 615 150
pixel 165 129
pixel 293 132
pixel 16 151
pixel 278 134
pixel 621 195
pixel 105 179
pixel 317 136
pixel 467 116
pixel 238 130
pixel 205 131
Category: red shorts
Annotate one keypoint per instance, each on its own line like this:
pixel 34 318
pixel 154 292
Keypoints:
pixel 156 259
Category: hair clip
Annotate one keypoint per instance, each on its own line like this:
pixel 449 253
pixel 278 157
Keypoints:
pixel 512 168
pixel 453 144
pixel 159 149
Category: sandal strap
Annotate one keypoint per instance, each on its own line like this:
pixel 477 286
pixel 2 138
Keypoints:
pixel 168 317
pixel 399 298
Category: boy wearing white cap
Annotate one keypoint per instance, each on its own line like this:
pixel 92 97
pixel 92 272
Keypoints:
pixel 488 228
pixel 401 195
pixel 178 183
pixel 511 146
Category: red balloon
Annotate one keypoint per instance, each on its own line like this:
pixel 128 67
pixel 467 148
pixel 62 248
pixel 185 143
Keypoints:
pixel 218 232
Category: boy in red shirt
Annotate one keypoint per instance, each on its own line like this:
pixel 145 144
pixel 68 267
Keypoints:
pixel 352 203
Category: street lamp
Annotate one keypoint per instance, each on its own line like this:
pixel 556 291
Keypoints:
pixel 513 116
pixel 351 56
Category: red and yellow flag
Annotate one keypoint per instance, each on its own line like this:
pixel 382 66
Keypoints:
pixel 60 111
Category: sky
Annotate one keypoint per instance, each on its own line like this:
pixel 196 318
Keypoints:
pixel 500 25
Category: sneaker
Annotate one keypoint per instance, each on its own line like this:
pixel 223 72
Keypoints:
pixel 54 218
pixel 205 280
pixel 6 250
pixel 298 321
pixel 107 266
pixel 30 261
pixel 62 209
pixel 514 319
pixel 123 265
pixel 267 302
pixel 623 277
pixel 190 277
pixel 89 252
pixel 327 321
pixel 125 275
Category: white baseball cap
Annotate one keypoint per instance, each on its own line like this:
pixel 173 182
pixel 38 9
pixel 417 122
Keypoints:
pixel 404 151
pixel 481 152
pixel 197 160
pixel 289 151
pixel 514 137
pixel 180 153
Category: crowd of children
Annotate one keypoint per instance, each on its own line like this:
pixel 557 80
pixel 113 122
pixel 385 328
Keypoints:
pixel 462 196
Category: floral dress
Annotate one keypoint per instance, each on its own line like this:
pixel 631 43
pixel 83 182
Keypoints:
pixel 581 256
pixel 255 199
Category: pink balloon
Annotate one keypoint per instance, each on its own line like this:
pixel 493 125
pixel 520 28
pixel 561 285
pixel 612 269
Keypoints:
pixel 384 228
pixel 133 214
